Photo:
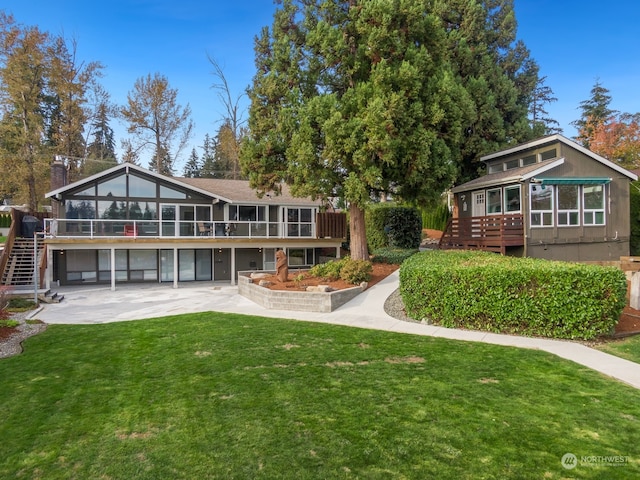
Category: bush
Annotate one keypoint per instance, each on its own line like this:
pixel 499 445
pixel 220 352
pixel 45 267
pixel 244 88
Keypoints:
pixel 356 271
pixel 5 220
pixel 485 291
pixel 436 218
pixel 19 304
pixel 404 227
pixel 376 220
pixel 391 226
pixel 329 271
pixel 392 255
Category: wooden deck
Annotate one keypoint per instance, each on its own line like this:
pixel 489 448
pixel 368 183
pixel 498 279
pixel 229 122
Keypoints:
pixel 493 233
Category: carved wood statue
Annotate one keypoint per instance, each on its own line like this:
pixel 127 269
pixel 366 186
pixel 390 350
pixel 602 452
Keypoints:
pixel 282 267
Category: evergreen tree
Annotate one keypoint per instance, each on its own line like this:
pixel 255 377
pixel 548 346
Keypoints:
pixel 161 162
pixel 595 113
pixel 354 100
pixel 192 167
pixel 495 70
pixel 101 153
pixel 208 160
pixel 541 123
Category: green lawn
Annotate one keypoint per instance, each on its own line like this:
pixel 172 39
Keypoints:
pixel 231 396
pixel 628 348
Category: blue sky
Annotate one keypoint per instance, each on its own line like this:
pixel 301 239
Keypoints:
pixel 575 42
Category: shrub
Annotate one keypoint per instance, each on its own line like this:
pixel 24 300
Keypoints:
pixel 329 271
pixel 436 218
pixel 525 296
pixel 9 323
pixel 19 304
pixel 356 271
pixel 404 228
pixel 375 222
pixel 389 225
pixel 392 255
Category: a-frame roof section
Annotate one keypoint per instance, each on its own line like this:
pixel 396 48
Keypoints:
pixel 560 138
pixel 126 167
pixel 512 175
pixel 230 191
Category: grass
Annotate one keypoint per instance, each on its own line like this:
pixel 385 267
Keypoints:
pixel 628 348
pixel 231 396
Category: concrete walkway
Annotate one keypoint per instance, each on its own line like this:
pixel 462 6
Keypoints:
pixel 92 305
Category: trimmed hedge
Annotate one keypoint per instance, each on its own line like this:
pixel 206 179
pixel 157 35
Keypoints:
pixel 524 296
pixel 392 255
pixel 389 225
pixel 5 220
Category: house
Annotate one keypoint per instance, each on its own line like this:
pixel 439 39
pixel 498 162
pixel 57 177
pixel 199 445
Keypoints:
pixel 128 224
pixel 549 198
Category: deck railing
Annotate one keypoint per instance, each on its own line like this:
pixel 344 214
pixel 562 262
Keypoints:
pixel 91 228
pixel 493 233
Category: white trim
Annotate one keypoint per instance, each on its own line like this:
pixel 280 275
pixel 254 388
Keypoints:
pixel 566 141
pixel 544 169
pixel 130 166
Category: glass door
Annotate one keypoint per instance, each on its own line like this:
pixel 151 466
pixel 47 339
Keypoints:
pixel 168 220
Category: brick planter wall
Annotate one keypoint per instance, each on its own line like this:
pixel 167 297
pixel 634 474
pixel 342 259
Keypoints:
pixel 294 300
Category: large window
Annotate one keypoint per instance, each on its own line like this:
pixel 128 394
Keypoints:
pixel 593 199
pixel 541 206
pixel 299 222
pixel 568 205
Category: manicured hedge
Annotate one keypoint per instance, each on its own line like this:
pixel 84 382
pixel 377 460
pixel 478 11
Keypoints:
pixel 392 255
pixel 390 225
pixel 524 296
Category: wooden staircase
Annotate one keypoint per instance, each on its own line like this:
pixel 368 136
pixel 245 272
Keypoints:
pixel 19 269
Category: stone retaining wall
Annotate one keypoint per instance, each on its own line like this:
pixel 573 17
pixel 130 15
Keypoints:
pixel 294 300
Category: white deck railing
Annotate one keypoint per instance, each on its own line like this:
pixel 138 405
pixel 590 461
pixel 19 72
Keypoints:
pixel 91 228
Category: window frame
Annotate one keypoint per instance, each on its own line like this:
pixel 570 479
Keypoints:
pixel 568 211
pixel 550 213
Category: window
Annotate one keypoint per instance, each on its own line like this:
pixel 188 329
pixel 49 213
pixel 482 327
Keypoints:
pixel 494 201
pixel 512 199
pixel 139 187
pixel 568 205
pixel 593 201
pixel 548 154
pixel 528 160
pixel 541 206
pixel 299 222
pixel 512 164
pixel 115 187
pixel 495 168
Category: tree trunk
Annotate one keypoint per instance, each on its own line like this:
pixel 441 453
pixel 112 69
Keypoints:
pixel 358 243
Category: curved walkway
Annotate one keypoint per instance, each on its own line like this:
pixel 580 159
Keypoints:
pixel 87 305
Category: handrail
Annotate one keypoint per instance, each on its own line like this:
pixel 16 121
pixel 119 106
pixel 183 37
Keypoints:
pixel 492 232
pixel 108 228
pixel 16 222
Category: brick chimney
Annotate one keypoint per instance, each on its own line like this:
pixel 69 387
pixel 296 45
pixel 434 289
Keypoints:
pixel 58 180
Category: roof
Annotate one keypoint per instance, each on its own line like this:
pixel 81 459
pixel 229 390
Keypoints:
pixel 231 191
pixel 239 191
pixel 513 175
pixel 562 139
